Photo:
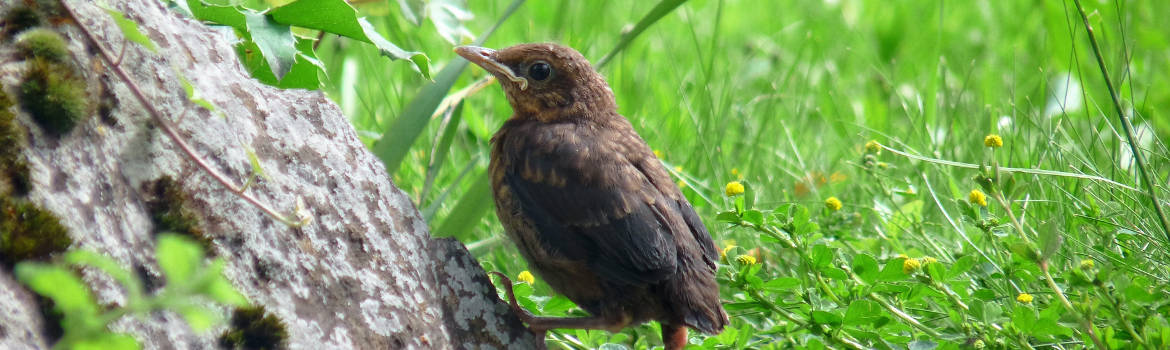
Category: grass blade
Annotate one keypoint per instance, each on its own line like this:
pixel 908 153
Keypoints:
pixel 395 143
pixel 661 10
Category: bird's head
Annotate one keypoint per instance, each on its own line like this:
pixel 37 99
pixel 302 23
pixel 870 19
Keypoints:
pixel 545 81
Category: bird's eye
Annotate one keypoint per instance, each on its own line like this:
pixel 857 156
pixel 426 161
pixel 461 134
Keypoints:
pixel 539 71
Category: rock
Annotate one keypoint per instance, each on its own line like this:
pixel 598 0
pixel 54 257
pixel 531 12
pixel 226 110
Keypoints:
pixel 364 274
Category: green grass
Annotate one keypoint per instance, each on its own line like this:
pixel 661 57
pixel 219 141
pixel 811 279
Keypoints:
pixel 782 95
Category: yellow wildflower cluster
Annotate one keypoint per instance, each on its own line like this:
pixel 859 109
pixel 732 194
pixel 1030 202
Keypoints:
pixel 977 197
pixel 1024 298
pixel 745 260
pixel 526 277
pixel 873 147
pixel 833 203
pixel 993 141
pixel 1087 264
pixel 911 265
pixel 734 188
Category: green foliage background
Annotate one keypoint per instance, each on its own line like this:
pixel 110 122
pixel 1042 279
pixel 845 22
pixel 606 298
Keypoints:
pixel 782 95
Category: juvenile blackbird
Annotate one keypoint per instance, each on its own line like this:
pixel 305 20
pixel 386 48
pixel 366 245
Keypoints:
pixel 589 205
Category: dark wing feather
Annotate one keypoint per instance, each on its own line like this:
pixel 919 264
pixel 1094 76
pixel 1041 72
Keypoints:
pixel 591 203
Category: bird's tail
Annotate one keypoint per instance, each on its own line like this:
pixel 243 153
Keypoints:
pixel 694 297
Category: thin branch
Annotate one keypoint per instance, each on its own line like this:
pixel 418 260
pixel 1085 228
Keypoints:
pixel 174 135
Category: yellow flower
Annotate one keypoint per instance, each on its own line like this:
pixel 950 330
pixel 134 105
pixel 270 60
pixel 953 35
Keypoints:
pixel 658 153
pixel 733 189
pixel 1024 298
pixel 977 197
pixel 723 253
pixel 873 147
pixel 911 265
pixel 833 203
pixel 927 260
pixel 993 141
pixel 678 168
pixel 682 184
pixel 526 277
pixel 1087 264
pixel 745 260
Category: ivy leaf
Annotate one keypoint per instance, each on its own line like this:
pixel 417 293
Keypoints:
pixel 275 41
pixel 338 17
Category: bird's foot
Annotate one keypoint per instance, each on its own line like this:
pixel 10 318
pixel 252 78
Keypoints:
pixel 524 315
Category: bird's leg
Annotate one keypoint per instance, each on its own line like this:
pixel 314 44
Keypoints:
pixel 540 325
pixel 674 336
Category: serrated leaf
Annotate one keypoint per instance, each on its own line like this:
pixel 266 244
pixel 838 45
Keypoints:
pixel 130 29
pixel 221 15
pixel 106 340
pixel 87 258
pixel 71 296
pixel 179 257
pixel 199 318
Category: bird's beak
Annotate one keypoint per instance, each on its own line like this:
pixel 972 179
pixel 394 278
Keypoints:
pixel 486 58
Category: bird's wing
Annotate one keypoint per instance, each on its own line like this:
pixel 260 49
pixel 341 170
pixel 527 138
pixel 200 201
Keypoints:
pixel 590 201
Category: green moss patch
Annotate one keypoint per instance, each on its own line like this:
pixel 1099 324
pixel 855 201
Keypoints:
pixel 54 96
pixel 42 43
pixel 253 328
pixel 14 173
pixel 170 213
pixel 28 232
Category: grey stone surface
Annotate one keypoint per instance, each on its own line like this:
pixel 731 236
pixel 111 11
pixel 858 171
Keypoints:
pixel 364 274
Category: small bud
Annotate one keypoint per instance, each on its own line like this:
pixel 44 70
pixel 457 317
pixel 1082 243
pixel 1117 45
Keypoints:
pixel 1087 264
pixel 873 147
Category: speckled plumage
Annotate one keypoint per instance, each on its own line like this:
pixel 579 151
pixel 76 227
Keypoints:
pixel 589 205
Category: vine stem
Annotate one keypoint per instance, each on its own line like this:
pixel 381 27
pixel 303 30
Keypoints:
pixel 1125 124
pixel 170 131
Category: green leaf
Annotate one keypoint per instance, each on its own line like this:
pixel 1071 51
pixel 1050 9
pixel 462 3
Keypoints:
pixel 218 288
pixel 962 265
pixel 822 256
pixel 223 15
pixel 130 29
pixel 71 296
pixel 275 42
pixel 468 211
pixel 199 318
pixel 729 216
pixel 87 258
pixel 781 284
pixel 179 257
pixel 753 216
pixel 825 317
pixel 558 305
pixel 866 267
pixel 893 271
pixel 862 312
pixel 338 17
pixel 193 94
pixel 106 340
pixel 441 149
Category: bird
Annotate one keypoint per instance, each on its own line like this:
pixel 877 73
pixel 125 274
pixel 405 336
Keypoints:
pixel 590 206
